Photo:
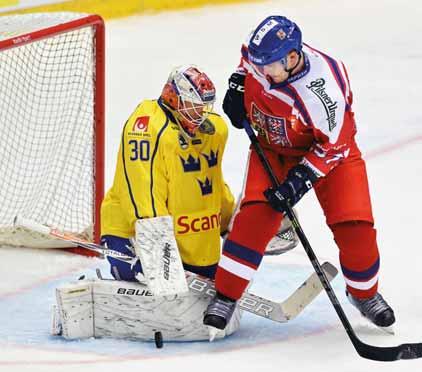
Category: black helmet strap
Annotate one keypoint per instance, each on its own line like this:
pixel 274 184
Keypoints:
pixel 290 70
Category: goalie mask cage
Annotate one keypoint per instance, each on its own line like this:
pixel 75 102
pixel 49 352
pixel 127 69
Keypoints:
pixel 51 125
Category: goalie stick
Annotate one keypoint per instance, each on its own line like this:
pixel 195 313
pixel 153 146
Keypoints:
pixel 385 354
pixel 280 312
pixel 277 311
pixel 54 233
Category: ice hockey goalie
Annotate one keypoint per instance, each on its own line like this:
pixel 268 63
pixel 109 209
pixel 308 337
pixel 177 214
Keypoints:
pixel 160 301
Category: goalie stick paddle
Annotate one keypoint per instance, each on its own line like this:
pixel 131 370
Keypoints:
pixel 385 354
pixel 280 312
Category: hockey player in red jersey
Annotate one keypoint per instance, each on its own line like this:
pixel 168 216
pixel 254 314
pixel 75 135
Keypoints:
pixel 299 101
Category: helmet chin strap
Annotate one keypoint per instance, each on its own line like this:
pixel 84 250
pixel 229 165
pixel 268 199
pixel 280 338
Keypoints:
pixel 290 70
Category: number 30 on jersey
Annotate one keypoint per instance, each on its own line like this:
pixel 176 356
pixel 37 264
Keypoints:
pixel 140 149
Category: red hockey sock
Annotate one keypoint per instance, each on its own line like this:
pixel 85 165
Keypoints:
pixel 253 228
pixel 359 257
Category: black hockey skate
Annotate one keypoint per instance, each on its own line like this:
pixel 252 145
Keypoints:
pixel 375 309
pixel 219 311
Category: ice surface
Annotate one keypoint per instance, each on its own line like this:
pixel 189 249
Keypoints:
pixel 379 41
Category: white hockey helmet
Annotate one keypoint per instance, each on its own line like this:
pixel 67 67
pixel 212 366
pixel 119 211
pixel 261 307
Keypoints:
pixel 190 94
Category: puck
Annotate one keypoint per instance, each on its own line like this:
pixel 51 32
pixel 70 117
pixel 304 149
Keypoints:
pixel 158 338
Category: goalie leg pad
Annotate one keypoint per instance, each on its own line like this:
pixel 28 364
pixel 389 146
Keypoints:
pixel 75 310
pixel 119 269
pixel 284 240
pixel 109 308
pixel 130 310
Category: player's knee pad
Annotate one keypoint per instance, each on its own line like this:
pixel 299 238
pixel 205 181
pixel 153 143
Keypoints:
pixel 121 270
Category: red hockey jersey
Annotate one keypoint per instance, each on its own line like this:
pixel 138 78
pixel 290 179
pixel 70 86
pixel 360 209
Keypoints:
pixel 309 115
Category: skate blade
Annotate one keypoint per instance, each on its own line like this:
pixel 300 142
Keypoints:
pixel 212 333
pixel 389 330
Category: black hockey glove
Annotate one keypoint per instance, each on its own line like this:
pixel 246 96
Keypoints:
pixel 299 180
pixel 233 104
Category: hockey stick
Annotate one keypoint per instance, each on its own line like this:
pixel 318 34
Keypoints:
pixel 277 311
pixel 386 354
pixel 280 312
pixel 54 233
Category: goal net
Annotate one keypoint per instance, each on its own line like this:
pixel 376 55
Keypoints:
pixel 51 125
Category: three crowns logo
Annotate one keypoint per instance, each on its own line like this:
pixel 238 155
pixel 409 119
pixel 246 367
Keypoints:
pixel 191 164
pixel 206 186
pixel 212 158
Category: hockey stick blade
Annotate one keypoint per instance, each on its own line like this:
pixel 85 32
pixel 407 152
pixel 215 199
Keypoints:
pixel 385 354
pixel 280 312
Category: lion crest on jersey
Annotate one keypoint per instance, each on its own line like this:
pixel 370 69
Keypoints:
pixel 272 127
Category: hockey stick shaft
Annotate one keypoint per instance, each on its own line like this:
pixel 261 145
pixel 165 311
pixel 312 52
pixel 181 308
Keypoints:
pixel 70 238
pixel 404 351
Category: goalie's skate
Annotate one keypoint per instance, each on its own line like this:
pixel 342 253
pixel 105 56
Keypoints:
pixel 376 310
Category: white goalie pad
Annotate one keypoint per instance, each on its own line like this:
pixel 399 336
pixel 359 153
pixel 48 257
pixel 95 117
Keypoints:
pixel 110 308
pixel 284 240
pixel 74 315
pixel 157 249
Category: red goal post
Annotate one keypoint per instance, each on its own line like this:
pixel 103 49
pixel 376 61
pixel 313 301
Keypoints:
pixel 51 125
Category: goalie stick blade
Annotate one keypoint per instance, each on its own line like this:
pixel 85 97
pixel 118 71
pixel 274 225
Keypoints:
pixel 280 312
pixel 307 292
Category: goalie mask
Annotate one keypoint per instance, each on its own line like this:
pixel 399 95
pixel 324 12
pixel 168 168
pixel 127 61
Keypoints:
pixel 190 95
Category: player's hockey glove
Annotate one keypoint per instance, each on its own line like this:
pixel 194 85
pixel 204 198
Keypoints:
pixel 299 180
pixel 233 104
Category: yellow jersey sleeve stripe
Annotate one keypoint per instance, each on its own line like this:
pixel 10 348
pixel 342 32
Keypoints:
pixel 157 143
pixel 126 175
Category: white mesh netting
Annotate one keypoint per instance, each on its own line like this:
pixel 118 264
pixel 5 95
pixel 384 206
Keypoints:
pixel 46 129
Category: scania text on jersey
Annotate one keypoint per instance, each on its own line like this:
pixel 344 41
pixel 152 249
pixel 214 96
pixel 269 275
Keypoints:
pixel 186 224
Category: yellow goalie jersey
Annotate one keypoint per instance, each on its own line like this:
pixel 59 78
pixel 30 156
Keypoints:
pixel 161 172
